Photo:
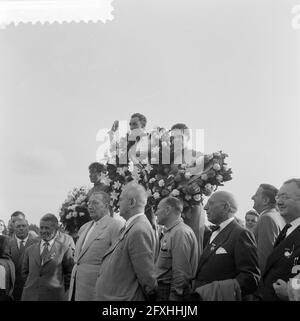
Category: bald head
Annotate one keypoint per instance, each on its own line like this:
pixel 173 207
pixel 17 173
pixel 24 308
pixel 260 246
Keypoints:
pixel 133 200
pixel 221 206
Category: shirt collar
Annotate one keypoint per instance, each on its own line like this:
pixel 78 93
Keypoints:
pixel 295 223
pixel 132 218
pixel 225 223
pixel 19 240
pixel 50 242
pixel 179 220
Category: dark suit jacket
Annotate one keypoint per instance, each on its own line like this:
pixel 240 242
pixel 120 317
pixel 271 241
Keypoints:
pixel 17 257
pixel 238 262
pixel 50 281
pixel 279 265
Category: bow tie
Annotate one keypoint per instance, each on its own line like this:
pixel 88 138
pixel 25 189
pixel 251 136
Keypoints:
pixel 214 228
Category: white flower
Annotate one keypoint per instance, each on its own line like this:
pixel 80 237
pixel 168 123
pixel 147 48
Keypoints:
pixel 219 178
pixel 204 177
pixel 210 156
pixel 226 168
pixel 187 175
pixel 72 207
pixel 208 186
pixel 152 180
pixel 188 197
pixel 197 197
pixel 104 179
pixel 149 192
pixel 117 185
pixel 145 161
pixel 114 196
pixel 217 167
pixel 156 195
pixel 68 216
pixel 81 214
pixel 161 183
pixel 148 168
pixel 175 192
pixel 121 171
pixel 74 214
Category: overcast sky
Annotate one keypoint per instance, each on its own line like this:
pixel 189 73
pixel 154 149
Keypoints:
pixel 230 67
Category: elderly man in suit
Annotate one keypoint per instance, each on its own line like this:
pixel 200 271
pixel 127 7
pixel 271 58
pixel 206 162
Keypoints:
pixel 269 224
pixel 229 259
pixel 127 272
pixel 177 261
pixel 95 238
pixel 17 245
pixel 47 265
pixel 283 264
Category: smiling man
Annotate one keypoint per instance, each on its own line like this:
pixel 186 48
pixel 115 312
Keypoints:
pixel 284 262
pixel 48 264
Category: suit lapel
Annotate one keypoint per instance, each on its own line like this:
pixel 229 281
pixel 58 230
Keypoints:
pixel 36 252
pixel 95 233
pixel 81 239
pixel 122 235
pixel 216 243
pixel 291 240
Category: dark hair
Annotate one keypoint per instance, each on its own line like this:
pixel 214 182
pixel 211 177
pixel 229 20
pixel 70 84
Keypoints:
pixel 270 192
pixel 141 118
pixel 17 213
pixel 98 167
pixel 174 202
pixel 293 180
pixel 50 218
pixel 182 127
pixel 252 212
pixel 3 246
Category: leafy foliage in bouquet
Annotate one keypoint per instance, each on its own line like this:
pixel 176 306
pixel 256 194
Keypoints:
pixel 162 178
pixel 74 210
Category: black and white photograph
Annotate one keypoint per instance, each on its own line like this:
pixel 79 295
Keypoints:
pixel 150 153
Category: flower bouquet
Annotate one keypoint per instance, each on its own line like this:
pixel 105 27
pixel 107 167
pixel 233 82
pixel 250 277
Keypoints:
pixel 74 210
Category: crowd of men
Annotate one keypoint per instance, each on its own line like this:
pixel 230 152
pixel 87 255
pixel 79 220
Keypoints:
pixel 122 259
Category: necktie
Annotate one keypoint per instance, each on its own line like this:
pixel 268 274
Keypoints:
pixel 214 228
pixel 22 246
pixel 45 252
pixel 282 235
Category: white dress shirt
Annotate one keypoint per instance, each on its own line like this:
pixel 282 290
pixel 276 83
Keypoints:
pixel 295 223
pixel 19 241
pixel 222 226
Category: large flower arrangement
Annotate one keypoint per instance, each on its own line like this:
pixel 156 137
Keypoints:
pixel 74 212
pixel 160 178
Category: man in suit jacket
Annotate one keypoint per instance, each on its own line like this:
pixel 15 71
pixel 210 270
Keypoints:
pixel 48 264
pixel 269 224
pixel 127 272
pixel 17 245
pixel 95 238
pixel 284 262
pixel 231 252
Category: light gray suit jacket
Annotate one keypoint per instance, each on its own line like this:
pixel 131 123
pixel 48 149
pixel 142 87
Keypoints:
pixel 88 257
pixel 267 229
pixel 48 281
pixel 127 272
